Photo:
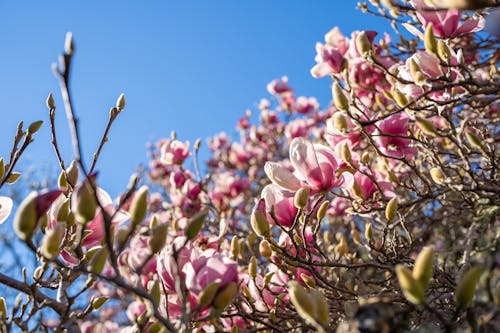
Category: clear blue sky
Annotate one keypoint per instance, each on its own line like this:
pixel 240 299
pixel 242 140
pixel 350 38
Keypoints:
pixel 189 66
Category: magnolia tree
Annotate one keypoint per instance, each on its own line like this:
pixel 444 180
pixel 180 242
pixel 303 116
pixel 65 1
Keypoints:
pixel 377 213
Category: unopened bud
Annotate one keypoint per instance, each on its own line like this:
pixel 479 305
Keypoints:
pixel 2 168
pixel 155 293
pixel 13 177
pixel 34 127
pixel 84 202
pixel 368 231
pixel 341 248
pixel 139 205
pixel 98 302
pixel 310 282
pixel 68 44
pixel 252 267
pixel 235 247
pixel 321 309
pixel 52 241
pixel 426 126
pixel 474 140
pixel 412 289
pixel 365 158
pixel 225 295
pixel 399 98
pixel 98 261
pixel 258 220
pixel 3 309
pixel 464 293
pixel 345 152
pixel 356 189
pixel 355 236
pixel 363 44
pixel 72 172
pixel 195 224
pixel 430 40
pixel 339 121
pixel 49 102
pixel 340 100
pixel 443 50
pixel 422 270
pixel 437 175
pixel 302 301
pixel 120 102
pixel 391 209
pixel 322 210
pixel 207 295
pixel 265 248
pixel 158 239
pixel 301 198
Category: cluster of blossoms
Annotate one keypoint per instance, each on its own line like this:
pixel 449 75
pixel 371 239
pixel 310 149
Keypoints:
pixel 377 213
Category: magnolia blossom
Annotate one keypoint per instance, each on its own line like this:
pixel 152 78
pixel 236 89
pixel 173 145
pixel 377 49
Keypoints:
pixel 174 152
pixel 314 167
pixel 445 23
pixel 392 134
pixel 280 202
pixel 5 208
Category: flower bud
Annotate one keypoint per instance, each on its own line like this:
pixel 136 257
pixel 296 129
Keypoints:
pixel 345 152
pixel 426 126
pixel 363 44
pixel 400 98
pixel 310 282
pixel 437 175
pixel 412 289
pixel 391 209
pixel 139 205
pixel 34 127
pixel 252 267
pixel 339 121
pixel 3 309
pixel 207 295
pixel 29 212
pixel 341 248
pixel 84 202
pixel 13 177
pixel 72 173
pixel 120 102
pixel 443 50
pixel 69 48
pixel 155 293
pixel 258 219
pixel 98 261
pixel 195 224
pixel 158 239
pixel 265 248
pixel 430 40
pixel 368 231
pixel 464 293
pixel 322 210
pixel 321 310
pixel 302 301
pixel 49 102
pixel 2 168
pixel 235 247
pixel 51 243
pixel 96 303
pixel 422 270
pixel 224 296
pixel 340 100
pixel 301 198
pixel 474 140
pixel 355 236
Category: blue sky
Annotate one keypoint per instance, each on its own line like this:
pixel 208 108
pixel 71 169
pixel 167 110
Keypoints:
pixel 189 66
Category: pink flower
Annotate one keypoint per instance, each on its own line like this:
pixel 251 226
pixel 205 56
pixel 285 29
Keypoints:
pixel 279 86
pixel 445 23
pixel 392 137
pixel 280 202
pixel 336 39
pixel 5 208
pixel 329 60
pixel 174 152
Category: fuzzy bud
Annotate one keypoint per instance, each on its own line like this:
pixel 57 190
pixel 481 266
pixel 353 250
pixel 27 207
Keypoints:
pixel 3 309
pixel 310 282
pixel 391 209
pixel 345 152
pixel 120 102
pixel 195 224
pixel 84 202
pixel 96 303
pixel 252 267
pixel 339 121
pixel 437 175
pixel 464 293
pixel 158 239
pixel 69 47
pixel 34 127
pixel 412 289
pixel 225 295
pixel 51 243
pixel 49 102
pixel 363 44
pixel 322 210
pixel 265 249
pixel 474 140
pixel 139 205
pixel 430 40
pixel 235 247
pixel 98 260
pixel 443 50
pixel 422 270
pixel 207 295
pixel 368 231
pixel 72 172
pixel 339 98
pixel 426 126
pixel 258 220
pixel 301 198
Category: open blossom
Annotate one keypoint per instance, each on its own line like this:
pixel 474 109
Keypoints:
pixel 280 202
pixel 314 167
pixel 392 134
pixel 329 60
pixel 445 23
pixel 5 208
pixel 174 152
